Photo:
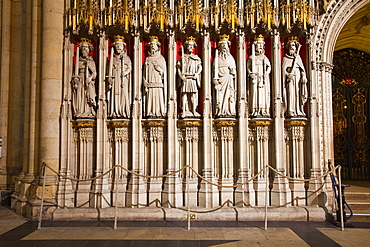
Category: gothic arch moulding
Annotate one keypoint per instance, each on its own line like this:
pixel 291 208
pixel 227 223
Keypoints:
pixel 337 14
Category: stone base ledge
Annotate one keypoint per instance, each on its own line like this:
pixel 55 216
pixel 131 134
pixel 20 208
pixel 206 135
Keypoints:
pixel 172 214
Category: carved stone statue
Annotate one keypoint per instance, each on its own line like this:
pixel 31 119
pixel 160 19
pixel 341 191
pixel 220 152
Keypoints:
pixel 259 68
pixel 295 80
pixel 119 80
pixel 155 81
pixel 189 68
pixel 83 82
pixel 224 79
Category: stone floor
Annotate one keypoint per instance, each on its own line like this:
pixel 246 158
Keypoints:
pixel 16 231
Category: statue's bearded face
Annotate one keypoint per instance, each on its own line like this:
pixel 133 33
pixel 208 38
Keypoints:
pixel 223 49
pixel 119 47
pixel 85 49
pixel 260 48
pixel 153 48
pixel 190 48
pixel 292 48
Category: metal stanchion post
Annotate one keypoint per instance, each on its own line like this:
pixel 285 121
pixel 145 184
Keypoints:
pixel 42 198
pixel 116 199
pixel 266 194
pixel 340 199
pixel 187 188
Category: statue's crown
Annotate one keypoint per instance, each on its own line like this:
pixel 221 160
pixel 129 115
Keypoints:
pixel 153 39
pixel 85 40
pixel 260 38
pixel 224 37
pixel 293 38
pixel 119 38
pixel 190 39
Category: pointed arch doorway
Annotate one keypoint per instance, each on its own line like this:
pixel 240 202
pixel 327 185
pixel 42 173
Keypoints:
pixel 351 97
pixel 351 113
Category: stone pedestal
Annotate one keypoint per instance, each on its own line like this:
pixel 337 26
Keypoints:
pixel 154 191
pixel 66 192
pixel 83 194
pixel 315 195
pixel 191 191
pixel 259 186
pixel 298 193
pixel 172 192
pixel 208 193
pixel 280 192
pixel 244 195
pixel 226 193
pixel 136 192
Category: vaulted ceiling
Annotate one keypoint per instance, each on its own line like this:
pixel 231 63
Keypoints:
pixel 356 33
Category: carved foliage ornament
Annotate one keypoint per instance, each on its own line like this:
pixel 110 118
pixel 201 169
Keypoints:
pixel 190 14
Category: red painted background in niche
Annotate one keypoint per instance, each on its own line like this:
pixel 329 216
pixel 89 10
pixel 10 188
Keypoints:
pixel 199 51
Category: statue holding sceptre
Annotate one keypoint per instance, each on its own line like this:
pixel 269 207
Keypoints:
pixel 294 79
pixel 83 82
pixel 259 68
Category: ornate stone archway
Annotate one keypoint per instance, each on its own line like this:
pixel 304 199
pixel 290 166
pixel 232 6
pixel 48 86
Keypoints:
pixel 323 45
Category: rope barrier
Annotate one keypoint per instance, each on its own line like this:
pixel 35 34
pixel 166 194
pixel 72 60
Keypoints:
pixel 303 180
pixel 157 201
pixel 196 173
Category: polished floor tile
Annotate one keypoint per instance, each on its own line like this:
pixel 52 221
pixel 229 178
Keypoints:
pixel 176 233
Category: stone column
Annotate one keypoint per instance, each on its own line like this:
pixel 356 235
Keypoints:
pixel 280 190
pixel 4 87
pixel 244 195
pixel 65 193
pixel 16 101
pixel 208 194
pixel 136 192
pixel 327 114
pixel 29 44
pixel 172 186
pixel 327 126
pixel 51 94
pixel 315 78
pixel 100 191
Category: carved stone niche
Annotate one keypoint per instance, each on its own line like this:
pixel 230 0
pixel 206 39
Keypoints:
pixel 226 156
pixel 82 158
pixel 190 153
pixel 189 137
pixel 118 152
pixel 155 156
pixel 295 149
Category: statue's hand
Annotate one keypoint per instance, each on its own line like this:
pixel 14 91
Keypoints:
pixel 75 82
pixel 290 76
pixel 253 76
pixel 304 78
pixel 110 82
pixel 232 71
pixel 192 77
